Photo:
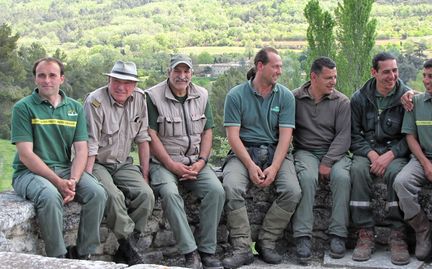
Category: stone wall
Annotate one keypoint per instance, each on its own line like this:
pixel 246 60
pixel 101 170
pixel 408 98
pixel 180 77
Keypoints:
pixel 19 228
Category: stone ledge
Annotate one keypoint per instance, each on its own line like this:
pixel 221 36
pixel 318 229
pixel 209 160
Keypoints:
pixel 11 260
pixel 19 228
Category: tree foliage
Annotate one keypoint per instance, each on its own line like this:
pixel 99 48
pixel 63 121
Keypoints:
pixel 319 33
pixel 355 34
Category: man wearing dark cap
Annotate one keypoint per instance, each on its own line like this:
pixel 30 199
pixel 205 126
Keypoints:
pixel 181 123
pixel 45 126
pixel 117 117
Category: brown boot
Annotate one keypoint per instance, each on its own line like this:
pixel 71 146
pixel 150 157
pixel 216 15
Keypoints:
pixel 398 247
pixel 421 225
pixel 365 245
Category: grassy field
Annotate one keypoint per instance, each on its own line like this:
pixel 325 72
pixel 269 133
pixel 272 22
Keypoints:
pixel 7 153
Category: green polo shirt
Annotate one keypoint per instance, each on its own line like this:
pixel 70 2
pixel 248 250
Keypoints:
pixel 384 102
pixel 419 122
pixel 153 113
pixel 259 118
pixel 51 130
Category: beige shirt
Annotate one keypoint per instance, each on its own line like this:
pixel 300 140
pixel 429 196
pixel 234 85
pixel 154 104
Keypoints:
pixel 113 127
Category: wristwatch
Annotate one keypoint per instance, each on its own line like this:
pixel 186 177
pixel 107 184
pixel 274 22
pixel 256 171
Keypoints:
pixel 203 158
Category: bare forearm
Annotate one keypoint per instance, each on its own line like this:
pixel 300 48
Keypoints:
pixel 90 164
pixel 285 135
pixel 416 149
pixel 144 158
pixel 238 148
pixel 158 150
pixel 206 143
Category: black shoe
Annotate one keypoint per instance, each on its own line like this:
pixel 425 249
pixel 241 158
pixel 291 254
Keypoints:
pixel 303 250
pixel 128 250
pixel 238 258
pixel 337 247
pixel 268 255
pixel 193 260
pixel 72 253
pixel 210 261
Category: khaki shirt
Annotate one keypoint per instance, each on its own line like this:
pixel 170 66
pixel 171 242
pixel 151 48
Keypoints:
pixel 113 127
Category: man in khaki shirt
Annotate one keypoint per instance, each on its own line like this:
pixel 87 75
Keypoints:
pixel 117 117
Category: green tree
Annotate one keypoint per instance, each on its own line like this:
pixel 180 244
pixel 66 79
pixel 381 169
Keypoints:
pixel 28 55
pixel 11 70
pixel 319 33
pixel 355 35
pixel 218 92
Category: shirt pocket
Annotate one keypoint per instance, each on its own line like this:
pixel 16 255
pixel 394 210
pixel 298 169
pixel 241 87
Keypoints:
pixel 109 134
pixel 170 126
pixel 392 125
pixel 197 124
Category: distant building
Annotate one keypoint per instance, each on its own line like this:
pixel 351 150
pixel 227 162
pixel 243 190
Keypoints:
pixel 214 70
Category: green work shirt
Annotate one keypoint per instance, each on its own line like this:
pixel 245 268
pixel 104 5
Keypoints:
pixel 384 101
pixel 153 113
pixel 259 118
pixel 51 130
pixel 419 122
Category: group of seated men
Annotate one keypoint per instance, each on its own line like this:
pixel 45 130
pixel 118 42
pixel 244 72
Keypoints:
pixel 294 140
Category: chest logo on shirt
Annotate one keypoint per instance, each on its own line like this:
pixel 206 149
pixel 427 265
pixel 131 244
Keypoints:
pixel 275 109
pixel 72 113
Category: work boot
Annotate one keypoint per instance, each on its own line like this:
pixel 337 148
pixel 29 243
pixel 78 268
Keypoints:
pixel 337 247
pixel 240 239
pixel 303 250
pixel 267 254
pixel 72 253
pixel 365 245
pixel 274 223
pixel 398 248
pixel 422 227
pixel 193 260
pixel 238 258
pixel 128 251
pixel 210 261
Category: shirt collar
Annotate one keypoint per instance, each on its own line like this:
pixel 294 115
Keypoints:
pixel 427 96
pixel 274 89
pixel 39 100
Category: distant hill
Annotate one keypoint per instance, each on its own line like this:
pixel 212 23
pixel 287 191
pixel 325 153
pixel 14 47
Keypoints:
pixel 131 24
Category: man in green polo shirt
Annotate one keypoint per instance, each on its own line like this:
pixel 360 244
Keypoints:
pixel 45 126
pixel 259 117
pixel 417 125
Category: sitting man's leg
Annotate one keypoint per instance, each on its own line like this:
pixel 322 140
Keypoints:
pixel 164 183
pixel 212 195
pixel 48 203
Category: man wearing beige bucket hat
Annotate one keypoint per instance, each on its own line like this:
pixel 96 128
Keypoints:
pixel 116 118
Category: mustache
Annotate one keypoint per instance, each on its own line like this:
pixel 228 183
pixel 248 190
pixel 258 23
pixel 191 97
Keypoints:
pixel 181 80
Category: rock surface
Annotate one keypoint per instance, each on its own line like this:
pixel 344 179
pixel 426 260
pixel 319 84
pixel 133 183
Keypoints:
pixel 19 228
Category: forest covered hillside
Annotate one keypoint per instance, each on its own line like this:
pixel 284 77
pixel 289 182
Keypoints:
pixel 173 24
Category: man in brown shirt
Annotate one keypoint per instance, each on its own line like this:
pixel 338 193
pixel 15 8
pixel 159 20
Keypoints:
pixel 321 141
pixel 116 118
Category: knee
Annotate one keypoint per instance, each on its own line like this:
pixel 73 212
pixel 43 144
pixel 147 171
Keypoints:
pixel 49 198
pixel 308 183
pixel 400 183
pixel 341 180
pixel 146 196
pixel 217 193
pixel 232 191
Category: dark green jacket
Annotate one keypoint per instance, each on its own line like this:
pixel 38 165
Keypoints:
pixel 371 130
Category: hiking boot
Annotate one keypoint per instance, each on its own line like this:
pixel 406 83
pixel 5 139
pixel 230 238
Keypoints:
pixel 238 258
pixel 210 261
pixel 365 245
pixel 72 253
pixel 193 260
pixel 269 255
pixel 337 247
pixel 128 251
pixel 422 227
pixel 398 248
pixel 303 250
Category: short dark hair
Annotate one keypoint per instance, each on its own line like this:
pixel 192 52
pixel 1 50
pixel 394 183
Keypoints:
pixel 380 57
pixel 319 63
pixel 49 59
pixel 261 56
pixel 428 64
